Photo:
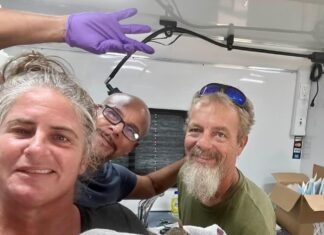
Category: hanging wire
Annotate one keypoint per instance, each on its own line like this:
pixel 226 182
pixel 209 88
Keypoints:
pixel 313 100
pixel 166 44
pixel 315 75
pixel 170 28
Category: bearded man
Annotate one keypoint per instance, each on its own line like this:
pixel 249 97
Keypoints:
pixel 211 189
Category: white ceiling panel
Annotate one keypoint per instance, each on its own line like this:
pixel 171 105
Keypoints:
pixel 290 24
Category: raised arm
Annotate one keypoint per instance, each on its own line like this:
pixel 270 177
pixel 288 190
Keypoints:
pixel 156 182
pixel 28 28
pixel 95 32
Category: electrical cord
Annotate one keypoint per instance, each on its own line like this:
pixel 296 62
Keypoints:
pixel 316 72
pixel 315 75
pixel 170 28
pixel 166 44
pixel 112 90
pixel 313 100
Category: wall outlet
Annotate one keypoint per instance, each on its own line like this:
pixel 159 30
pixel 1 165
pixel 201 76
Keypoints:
pixel 304 91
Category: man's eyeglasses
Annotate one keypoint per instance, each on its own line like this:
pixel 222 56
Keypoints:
pixel 233 93
pixel 113 116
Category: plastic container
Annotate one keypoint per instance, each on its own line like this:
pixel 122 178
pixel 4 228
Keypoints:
pixel 174 205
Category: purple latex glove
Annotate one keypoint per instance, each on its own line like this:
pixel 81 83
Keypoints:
pixel 101 32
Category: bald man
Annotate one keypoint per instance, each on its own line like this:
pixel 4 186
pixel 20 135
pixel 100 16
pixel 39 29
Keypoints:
pixel 122 120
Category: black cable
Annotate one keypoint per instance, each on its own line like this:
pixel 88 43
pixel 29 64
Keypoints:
pixel 168 30
pixel 313 100
pixel 315 75
pixel 112 90
pixel 166 44
pixel 316 72
pixel 123 61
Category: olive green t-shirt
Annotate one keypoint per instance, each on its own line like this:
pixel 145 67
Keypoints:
pixel 246 210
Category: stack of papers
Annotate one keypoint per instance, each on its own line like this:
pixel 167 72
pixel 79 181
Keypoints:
pixel 312 187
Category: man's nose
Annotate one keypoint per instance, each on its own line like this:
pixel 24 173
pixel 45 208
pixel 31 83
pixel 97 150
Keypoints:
pixel 118 128
pixel 204 141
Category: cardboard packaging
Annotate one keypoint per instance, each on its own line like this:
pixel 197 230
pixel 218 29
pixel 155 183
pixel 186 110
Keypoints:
pixel 297 213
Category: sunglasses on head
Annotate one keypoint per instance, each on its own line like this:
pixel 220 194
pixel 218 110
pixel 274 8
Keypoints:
pixel 236 96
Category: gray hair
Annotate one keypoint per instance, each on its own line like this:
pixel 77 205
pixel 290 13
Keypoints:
pixel 36 70
pixel 245 113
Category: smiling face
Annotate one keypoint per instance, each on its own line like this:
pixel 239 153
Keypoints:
pixel 213 128
pixel 211 142
pixel 110 141
pixel 41 150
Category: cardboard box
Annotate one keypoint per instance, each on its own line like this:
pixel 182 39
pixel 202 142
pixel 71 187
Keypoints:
pixel 297 213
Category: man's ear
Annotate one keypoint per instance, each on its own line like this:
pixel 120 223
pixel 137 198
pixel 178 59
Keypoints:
pixel 242 143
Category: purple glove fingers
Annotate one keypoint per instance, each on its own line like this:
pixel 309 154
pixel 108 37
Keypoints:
pixel 129 48
pixel 126 13
pixel 144 48
pixel 141 46
pixel 135 28
pixel 100 32
pixel 116 46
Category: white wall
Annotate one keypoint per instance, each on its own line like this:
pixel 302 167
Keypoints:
pixel 313 146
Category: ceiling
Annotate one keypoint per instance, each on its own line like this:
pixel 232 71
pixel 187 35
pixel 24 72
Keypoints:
pixel 291 24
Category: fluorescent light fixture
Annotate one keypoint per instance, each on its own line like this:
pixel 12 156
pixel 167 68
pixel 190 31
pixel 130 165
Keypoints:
pixel 267 70
pixel 138 68
pixel 243 40
pixel 228 66
pixel 133 67
pixel 251 80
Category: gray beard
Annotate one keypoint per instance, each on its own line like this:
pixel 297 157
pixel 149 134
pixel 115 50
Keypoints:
pixel 98 158
pixel 201 182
